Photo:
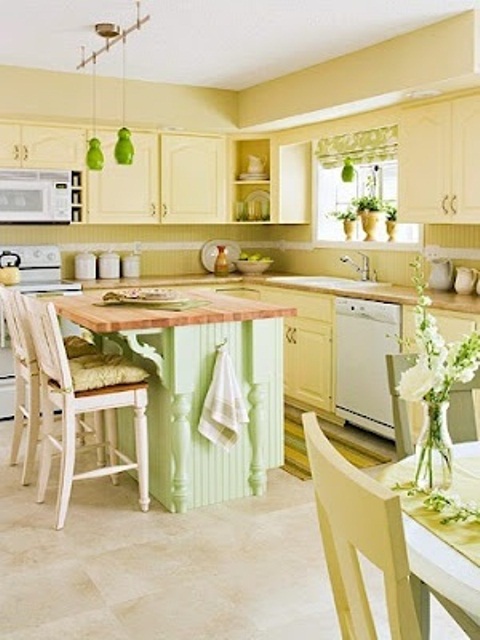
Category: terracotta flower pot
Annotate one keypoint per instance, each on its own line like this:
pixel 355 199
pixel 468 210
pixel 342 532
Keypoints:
pixel 391 230
pixel 349 228
pixel 370 220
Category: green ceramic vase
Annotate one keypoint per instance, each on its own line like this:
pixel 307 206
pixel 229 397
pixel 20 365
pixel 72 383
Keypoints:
pixel 124 148
pixel 95 159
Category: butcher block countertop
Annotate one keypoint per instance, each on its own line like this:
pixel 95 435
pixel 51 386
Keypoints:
pixel 447 300
pixel 87 310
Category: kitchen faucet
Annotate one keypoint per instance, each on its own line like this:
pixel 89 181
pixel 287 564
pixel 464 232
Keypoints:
pixel 363 270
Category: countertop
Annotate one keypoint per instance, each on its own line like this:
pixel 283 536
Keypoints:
pixel 448 300
pixel 87 310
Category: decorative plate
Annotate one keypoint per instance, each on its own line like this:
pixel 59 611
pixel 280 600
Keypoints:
pixel 258 195
pixel 209 253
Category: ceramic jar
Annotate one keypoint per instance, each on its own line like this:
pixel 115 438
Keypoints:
pixel 465 280
pixel 109 266
pixel 131 266
pixel 441 274
pixel 85 266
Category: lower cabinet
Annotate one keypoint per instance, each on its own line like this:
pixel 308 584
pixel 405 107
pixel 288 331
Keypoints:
pixel 307 346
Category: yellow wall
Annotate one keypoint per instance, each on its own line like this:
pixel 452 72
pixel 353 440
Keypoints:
pixel 438 53
pixel 67 97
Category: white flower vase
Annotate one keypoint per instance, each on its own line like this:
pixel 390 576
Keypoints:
pixel 434 449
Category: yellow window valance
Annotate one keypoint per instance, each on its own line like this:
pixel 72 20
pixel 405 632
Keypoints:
pixel 375 145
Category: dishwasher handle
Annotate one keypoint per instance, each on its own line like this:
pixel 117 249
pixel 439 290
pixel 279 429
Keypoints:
pixel 383 312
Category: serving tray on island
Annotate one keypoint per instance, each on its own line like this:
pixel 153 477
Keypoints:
pixel 136 296
pixel 165 299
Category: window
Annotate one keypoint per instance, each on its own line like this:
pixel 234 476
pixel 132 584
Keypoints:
pixel 374 155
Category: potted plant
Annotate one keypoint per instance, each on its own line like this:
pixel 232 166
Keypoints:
pixel 391 221
pixel 349 218
pixel 369 209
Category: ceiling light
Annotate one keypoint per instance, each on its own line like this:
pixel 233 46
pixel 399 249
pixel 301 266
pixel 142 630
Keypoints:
pixel 107 29
pixel 124 149
pixel 113 34
pixel 95 159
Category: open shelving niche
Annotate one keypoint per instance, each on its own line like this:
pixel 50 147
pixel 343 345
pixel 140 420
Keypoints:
pixel 260 211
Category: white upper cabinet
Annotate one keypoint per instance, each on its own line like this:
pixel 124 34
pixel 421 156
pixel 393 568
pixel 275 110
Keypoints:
pixel 439 146
pixel 35 146
pixel 125 194
pixel 193 179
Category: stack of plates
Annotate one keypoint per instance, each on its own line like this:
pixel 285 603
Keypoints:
pixel 253 176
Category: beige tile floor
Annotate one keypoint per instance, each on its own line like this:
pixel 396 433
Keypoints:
pixel 249 569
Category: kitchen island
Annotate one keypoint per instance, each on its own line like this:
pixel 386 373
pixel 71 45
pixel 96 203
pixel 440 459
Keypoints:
pixel 179 349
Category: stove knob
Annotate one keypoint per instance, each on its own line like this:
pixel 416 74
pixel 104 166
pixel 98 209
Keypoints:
pixel 51 256
pixel 37 253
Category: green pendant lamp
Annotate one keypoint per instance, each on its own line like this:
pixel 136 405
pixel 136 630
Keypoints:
pixel 124 150
pixel 348 171
pixel 95 159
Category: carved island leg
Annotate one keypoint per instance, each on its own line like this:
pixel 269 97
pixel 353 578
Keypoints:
pixel 256 429
pixel 181 444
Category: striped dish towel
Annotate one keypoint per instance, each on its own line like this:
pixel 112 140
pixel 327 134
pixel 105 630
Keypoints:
pixel 224 412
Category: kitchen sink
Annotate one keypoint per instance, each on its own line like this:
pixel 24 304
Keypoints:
pixel 327 281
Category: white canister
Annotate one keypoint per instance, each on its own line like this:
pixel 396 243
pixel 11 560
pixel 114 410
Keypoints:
pixel 131 266
pixel 85 266
pixel 109 266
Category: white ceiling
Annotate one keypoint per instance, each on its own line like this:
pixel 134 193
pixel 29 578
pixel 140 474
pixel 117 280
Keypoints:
pixel 228 44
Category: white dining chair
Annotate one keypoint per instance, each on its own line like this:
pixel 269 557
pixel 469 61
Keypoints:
pixel 82 385
pixel 357 516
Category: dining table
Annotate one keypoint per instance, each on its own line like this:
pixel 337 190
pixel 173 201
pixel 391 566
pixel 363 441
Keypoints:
pixel 444 556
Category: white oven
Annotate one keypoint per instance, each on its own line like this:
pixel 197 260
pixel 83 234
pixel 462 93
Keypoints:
pixel 40 272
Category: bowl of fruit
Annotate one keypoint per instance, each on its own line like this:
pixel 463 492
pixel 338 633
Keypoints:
pixel 253 263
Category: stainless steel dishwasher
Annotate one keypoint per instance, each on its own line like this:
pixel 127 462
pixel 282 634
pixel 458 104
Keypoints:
pixel 366 331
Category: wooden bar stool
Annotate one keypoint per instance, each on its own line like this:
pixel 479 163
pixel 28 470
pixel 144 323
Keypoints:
pixel 82 385
pixel 27 387
pixel 27 380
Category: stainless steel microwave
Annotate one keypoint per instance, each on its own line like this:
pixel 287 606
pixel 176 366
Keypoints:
pixel 31 196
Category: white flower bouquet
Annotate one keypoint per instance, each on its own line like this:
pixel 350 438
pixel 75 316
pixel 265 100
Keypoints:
pixel 438 365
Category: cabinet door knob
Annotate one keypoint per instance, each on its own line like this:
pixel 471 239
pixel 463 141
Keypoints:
pixel 287 334
pixel 25 152
pixel 153 209
pixel 294 335
pixel 165 209
pixel 444 205
pixel 453 205
pixel 16 152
